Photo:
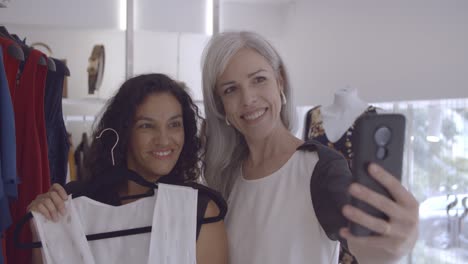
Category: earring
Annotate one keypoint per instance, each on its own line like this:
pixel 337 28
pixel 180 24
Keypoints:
pixel 283 97
pixel 227 121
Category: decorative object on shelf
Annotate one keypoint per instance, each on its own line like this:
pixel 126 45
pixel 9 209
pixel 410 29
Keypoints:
pixel 96 68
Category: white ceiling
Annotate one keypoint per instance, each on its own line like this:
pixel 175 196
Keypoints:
pixel 257 1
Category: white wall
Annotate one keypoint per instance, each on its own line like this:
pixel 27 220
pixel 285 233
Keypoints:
pixel 269 19
pixel 388 50
pixel 81 14
pixel 75 46
pixel 170 16
pixel 175 54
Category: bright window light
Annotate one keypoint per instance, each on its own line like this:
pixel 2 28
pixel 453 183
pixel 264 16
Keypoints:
pixel 209 17
pixel 433 139
pixel 123 15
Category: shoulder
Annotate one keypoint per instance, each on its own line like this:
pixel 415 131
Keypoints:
pixel 328 186
pixel 325 153
pixel 211 205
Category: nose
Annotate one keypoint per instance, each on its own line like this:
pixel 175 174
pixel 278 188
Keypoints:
pixel 162 137
pixel 248 96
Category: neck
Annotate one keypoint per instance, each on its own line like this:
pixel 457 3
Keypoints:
pixel 279 142
pixel 134 188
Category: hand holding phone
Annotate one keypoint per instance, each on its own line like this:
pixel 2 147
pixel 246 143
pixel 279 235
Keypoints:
pixel 377 138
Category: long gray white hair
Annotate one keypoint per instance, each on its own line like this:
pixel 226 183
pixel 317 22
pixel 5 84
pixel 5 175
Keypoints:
pixel 225 148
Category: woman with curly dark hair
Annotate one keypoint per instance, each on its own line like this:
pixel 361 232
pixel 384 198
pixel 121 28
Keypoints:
pixel 146 139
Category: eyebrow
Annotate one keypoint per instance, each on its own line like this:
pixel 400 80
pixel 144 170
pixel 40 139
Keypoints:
pixel 248 76
pixel 145 118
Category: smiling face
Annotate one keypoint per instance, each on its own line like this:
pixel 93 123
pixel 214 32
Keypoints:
pixel 250 92
pixel 156 137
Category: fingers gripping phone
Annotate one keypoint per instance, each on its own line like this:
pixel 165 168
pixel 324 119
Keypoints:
pixel 377 138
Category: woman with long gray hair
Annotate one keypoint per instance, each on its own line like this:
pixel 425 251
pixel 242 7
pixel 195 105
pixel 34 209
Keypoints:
pixel 288 199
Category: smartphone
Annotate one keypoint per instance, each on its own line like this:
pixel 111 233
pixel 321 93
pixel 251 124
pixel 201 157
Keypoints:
pixel 377 138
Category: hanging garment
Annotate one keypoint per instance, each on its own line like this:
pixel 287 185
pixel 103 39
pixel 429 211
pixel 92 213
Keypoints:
pixel 172 212
pixel 11 65
pixel 3 258
pixel 57 139
pixel 8 180
pixel 31 157
pixel 315 131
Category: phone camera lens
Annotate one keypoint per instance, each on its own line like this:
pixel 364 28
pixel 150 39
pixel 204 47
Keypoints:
pixel 381 153
pixel 382 136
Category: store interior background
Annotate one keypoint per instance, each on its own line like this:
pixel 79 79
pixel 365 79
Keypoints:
pixel 405 56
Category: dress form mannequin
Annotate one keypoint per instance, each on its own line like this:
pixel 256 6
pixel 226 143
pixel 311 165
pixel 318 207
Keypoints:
pixel 339 116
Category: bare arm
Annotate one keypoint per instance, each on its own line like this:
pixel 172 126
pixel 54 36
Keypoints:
pixel 398 234
pixel 212 241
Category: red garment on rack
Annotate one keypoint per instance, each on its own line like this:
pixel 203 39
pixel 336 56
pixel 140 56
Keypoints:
pixel 5 260
pixel 31 149
pixel 11 65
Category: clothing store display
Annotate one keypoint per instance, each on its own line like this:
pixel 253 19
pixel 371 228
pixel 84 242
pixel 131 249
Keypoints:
pixel 57 138
pixel 31 146
pixel 317 132
pixel 311 186
pixel 8 177
pixel 11 65
pixel 171 212
pixel 30 101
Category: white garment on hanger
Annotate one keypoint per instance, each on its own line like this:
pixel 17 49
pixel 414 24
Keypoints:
pixel 172 212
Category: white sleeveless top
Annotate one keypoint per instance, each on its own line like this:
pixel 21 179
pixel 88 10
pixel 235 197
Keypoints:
pixel 172 213
pixel 272 220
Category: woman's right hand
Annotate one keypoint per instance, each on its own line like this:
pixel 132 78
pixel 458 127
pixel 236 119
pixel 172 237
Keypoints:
pixel 51 203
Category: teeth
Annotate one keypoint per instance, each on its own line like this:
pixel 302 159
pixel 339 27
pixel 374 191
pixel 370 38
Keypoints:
pixel 254 115
pixel 165 153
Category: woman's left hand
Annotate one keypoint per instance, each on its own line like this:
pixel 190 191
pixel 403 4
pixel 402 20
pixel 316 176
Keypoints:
pixel 398 235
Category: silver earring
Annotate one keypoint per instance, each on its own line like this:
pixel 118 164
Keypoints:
pixel 283 97
pixel 227 121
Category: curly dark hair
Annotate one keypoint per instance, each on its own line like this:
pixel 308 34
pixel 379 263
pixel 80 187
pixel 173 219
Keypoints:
pixel 119 115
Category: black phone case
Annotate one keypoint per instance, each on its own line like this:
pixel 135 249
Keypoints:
pixel 365 150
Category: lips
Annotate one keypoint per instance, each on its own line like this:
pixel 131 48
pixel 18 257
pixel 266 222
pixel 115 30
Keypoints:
pixel 162 154
pixel 254 114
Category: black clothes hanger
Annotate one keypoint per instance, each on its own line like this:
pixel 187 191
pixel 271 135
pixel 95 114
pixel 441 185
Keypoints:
pixel 114 176
pixel 14 50
pixel 51 64
pixel 120 172
pixel 26 50
pixel 131 175
pixel 66 71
